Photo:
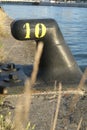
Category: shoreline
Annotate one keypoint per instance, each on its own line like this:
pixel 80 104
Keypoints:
pixel 80 5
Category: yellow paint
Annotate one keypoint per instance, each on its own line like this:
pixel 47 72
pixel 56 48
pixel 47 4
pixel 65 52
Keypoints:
pixel 37 30
pixel 27 27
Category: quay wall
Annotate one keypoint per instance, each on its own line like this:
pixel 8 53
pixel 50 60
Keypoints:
pixel 83 5
pixel 65 4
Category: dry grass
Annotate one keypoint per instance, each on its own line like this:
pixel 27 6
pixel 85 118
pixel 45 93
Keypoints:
pixel 23 109
pixel 79 125
pixel 80 88
pixel 4 31
pixel 2 53
pixel 57 108
pixel 23 105
pixel 56 92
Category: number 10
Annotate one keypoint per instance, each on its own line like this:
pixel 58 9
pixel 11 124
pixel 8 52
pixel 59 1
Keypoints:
pixel 38 27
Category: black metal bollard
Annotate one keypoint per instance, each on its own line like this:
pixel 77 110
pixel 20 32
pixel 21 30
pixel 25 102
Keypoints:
pixel 57 62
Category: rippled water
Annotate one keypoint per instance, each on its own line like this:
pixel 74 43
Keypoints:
pixel 72 22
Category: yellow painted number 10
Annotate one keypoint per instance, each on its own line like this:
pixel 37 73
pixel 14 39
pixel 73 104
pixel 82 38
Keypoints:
pixel 38 27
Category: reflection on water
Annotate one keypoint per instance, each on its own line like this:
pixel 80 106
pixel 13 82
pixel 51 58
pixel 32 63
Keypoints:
pixel 72 22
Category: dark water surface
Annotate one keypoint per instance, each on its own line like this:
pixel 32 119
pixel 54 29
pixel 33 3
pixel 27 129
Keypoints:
pixel 72 22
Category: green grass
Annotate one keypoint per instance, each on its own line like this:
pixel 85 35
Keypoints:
pixel 7 124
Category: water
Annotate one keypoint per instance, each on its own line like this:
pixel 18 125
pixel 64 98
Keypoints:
pixel 72 22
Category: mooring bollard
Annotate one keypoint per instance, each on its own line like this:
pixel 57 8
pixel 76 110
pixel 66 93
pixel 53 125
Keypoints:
pixel 57 61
